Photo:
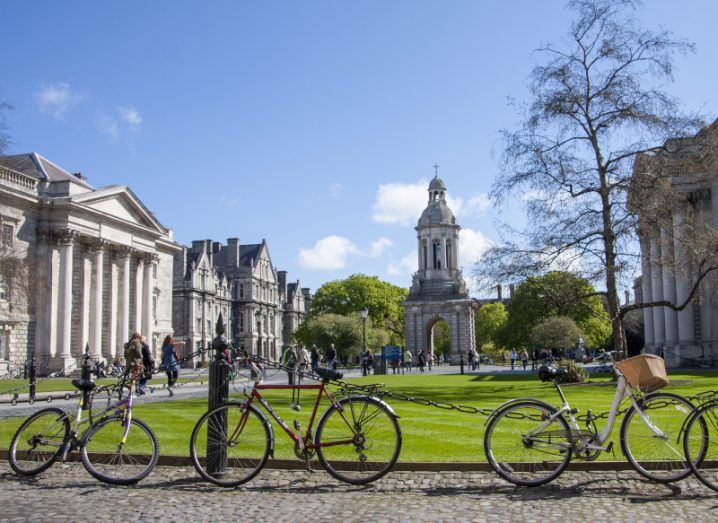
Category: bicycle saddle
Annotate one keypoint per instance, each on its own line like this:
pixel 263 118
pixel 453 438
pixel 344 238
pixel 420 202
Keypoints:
pixel 550 373
pixel 84 385
pixel 328 374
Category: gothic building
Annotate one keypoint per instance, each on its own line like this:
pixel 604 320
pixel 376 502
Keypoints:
pixel 259 307
pixel 438 290
pixel 689 336
pixel 98 262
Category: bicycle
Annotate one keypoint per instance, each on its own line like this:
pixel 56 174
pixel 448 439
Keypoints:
pixel 530 442
pixel 706 413
pixel 115 448
pixel 357 439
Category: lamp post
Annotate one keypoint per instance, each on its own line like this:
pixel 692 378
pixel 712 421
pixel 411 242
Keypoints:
pixel 364 314
pixel 258 315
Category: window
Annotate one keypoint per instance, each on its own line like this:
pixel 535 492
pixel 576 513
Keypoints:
pixel 241 323
pixel 8 234
pixel 4 294
pixel 437 254
pixel 448 255
pixel 241 291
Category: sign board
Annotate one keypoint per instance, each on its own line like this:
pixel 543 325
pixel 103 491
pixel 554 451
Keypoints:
pixel 391 353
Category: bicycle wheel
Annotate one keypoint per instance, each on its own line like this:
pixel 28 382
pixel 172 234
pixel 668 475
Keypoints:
pixel 111 458
pixel 702 433
pixel 359 440
pixel 230 445
pixel 525 446
pixel 659 457
pixel 38 442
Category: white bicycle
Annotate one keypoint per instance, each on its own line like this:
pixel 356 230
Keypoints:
pixel 529 442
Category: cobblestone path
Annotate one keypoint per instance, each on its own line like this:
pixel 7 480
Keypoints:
pixel 67 493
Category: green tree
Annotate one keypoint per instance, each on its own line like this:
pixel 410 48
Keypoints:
pixel 489 322
pixel 350 295
pixel 558 332
pixel 442 339
pixel 556 294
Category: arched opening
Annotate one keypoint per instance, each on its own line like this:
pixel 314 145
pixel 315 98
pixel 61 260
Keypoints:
pixel 436 248
pixel 439 336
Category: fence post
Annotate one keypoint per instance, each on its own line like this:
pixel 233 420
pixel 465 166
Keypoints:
pixel 31 376
pixel 217 395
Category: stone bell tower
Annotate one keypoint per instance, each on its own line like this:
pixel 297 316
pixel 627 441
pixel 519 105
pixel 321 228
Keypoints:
pixel 438 290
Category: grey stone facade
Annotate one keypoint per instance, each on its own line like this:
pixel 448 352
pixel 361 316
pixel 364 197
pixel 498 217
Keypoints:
pixel 438 290
pixel 259 307
pixel 99 264
pixel 689 336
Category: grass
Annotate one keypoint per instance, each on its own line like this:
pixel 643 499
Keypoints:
pixel 64 384
pixel 429 434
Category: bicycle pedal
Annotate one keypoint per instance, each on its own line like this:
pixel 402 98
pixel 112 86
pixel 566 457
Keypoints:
pixel 609 447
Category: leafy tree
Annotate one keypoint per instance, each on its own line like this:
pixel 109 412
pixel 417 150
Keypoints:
pixel 555 294
pixel 558 332
pixel 442 339
pixel 350 295
pixel 489 322
pixel 597 104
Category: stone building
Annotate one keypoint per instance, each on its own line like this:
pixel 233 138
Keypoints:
pixel 257 304
pixel 438 290
pixel 99 262
pixel 689 336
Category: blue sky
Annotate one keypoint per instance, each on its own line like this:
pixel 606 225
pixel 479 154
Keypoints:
pixel 311 124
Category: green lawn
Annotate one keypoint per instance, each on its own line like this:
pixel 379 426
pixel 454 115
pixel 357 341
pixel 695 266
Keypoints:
pixel 64 384
pixel 429 434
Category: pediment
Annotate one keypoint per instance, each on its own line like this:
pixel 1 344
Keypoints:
pixel 120 203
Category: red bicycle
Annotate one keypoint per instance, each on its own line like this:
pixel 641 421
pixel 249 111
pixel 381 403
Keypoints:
pixel 357 439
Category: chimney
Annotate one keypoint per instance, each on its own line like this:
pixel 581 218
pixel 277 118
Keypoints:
pixel 197 246
pixel 282 277
pixel 208 250
pixel 233 252
pixel 498 291
pixel 511 291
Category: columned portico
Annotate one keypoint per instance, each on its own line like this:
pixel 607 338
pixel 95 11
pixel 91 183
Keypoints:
pixel 66 240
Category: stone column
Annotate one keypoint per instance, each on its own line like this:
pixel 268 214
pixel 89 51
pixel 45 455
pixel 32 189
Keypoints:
pixel 85 304
pixel 138 296
pixel 686 335
pixel 669 289
pixel 443 253
pixel 43 294
pixel 646 290
pixel 64 350
pixel 111 349
pixel 96 324
pixel 659 320
pixel 420 266
pixel 123 331
pixel 148 320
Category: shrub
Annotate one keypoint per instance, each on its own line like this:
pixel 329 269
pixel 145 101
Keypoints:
pixel 574 373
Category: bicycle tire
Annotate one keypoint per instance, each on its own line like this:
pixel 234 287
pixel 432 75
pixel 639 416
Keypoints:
pixel 375 440
pixel 231 459
pixel 107 458
pixel 57 422
pixel 655 458
pixel 503 447
pixel 706 469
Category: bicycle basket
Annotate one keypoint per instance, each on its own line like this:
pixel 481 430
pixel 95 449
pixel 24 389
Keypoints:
pixel 645 372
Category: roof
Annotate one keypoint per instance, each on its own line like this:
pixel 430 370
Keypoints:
pixel 249 252
pixel 437 184
pixel 437 212
pixel 40 168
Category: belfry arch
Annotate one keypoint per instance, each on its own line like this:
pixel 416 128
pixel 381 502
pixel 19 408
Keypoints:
pixel 438 291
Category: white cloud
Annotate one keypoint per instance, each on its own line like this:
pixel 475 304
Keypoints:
pixel 328 253
pixel 57 100
pixel 131 116
pixel 477 205
pixel 379 246
pixel 335 189
pixel 400 203
pixel 107 125
pixel 472 246
pixel 405 266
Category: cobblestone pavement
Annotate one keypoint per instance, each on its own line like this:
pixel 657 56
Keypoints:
pixel 67 493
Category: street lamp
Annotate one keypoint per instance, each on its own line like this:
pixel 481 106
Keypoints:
pixel 364 313
pixel 258 315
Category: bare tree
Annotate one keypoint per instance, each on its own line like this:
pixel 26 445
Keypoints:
pixel 598 103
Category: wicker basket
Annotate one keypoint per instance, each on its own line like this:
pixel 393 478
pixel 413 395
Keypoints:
pixel 645 372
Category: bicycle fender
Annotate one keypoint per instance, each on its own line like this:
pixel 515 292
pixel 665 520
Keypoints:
pixel 512 402
pixel 383 403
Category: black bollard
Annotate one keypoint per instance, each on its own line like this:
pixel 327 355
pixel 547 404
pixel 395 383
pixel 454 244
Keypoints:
pixel 85 377
pixel 31 376
pixel 461 361
pixel 218 394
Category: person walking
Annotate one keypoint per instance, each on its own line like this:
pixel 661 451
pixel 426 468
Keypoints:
pixel 303 359
pixel 290 362
pixel 524 358
pixel 314 358
pixel 330 357
pixel 471 360
pixel 368 363
pixel 534 359
pixel 421 360
pixel 148 363
pixel 430 360
pixel 408 356
pixel 170 362
pixel 512 357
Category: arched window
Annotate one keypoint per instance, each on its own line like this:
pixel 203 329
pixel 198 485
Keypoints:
pixel 426 254
pixel 448 255
pixel 436 248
